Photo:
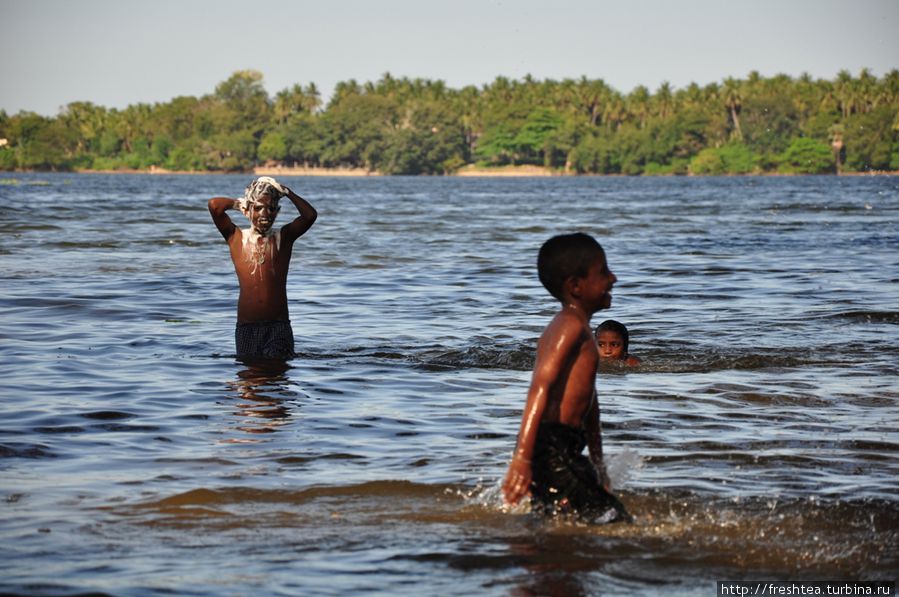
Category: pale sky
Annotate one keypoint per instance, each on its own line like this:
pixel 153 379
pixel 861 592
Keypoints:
pixel 119 52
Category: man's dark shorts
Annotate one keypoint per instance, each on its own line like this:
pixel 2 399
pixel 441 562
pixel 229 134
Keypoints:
pixel 264 340
pixel 564 480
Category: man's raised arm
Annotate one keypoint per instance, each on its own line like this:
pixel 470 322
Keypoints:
pixel 303 222
pixel 217 208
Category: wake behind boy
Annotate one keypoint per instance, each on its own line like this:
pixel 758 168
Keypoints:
pixel 261 257
pixel 561 414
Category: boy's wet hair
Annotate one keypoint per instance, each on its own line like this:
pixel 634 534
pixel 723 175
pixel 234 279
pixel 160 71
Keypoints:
pixel 617 327
pixel 564 256
pixel 259 187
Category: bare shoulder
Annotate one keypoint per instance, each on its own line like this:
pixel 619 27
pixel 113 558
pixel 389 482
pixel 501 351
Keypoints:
pixel 236 239
pixel 564 330
pixel 564 320
pixel 238 234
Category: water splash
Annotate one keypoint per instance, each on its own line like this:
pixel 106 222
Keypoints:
pixel 489 496
pixel 623 466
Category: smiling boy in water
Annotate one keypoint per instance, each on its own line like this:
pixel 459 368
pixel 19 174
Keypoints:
pixel 561 415
pixel 261 257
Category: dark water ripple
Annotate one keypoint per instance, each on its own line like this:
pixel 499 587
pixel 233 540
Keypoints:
pixel 757 439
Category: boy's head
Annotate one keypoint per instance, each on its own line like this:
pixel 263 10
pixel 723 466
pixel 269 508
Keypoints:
pixel 261 203
pixel 612 339
pixel 262 213
pixel 566 256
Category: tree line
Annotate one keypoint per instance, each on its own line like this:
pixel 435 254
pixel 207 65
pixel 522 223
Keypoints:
pixel 419 126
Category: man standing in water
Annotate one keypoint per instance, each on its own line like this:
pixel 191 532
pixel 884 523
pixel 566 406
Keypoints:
pixel 261 257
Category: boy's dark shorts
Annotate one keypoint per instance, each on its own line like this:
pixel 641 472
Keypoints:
pixel 264 340
pixel 564 480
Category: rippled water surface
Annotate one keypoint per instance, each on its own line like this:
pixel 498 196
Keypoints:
pixel 137 456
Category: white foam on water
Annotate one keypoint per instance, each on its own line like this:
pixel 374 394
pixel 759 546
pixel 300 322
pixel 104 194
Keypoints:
pixel 622 466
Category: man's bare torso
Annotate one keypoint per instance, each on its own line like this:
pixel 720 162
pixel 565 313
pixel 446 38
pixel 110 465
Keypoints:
pixel 261 264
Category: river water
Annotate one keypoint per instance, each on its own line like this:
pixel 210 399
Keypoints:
pixel 757 440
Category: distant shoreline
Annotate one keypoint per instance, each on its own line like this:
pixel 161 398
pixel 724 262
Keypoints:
pixel 470 171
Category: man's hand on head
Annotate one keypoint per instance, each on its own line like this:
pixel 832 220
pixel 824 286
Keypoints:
pixel 281 189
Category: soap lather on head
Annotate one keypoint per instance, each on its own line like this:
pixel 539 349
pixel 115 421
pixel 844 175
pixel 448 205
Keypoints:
pixel 254 197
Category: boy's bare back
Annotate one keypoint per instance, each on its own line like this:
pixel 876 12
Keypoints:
pixel 567 361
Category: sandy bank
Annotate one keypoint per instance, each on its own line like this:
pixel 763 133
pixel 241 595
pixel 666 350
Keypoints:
pixel 300 171
pixel 472 170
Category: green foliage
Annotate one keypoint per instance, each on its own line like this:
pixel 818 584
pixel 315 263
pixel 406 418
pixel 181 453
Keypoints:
pixel 244 104
pixel 7 159
pixel 105 163
pixel 109 143
pixel 354 130
pixel 295 100
pixel 894 158
pixel 184 158
pixel 229 152
pixel 273 147
pixel 40 143
pixel 733 158
pixel 807 156
pixel 708 161
pixel 497 145
pixel 303 137
pixel 595 154
pixel 428 141
pixel 769 123
pixel 739 159
pixel 415 126
pixel 871 139
pixel 530 142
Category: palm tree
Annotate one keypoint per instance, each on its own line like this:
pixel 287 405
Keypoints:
pixel 664 100
pixel 85 118
pixel 638 104
pixel 588 97
pixel 614 110
pixel 889 87
pixel 836 144
pixel 690 97
pixel 732 94
pixel 843 91
pixel 343 90
pixel 805 95
pixel 296 100
pixel 132 125
pixel 866 90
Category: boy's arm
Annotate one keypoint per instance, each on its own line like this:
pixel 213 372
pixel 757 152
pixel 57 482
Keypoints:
pixel 301 224
pixel 554 351
pixel 594 443
pixel 217 208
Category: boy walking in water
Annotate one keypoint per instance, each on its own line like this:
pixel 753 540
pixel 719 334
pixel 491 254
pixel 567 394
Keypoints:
pixel 561 414
pixel 261 257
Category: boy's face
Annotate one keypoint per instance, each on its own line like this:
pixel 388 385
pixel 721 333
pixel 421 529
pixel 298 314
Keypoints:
pixel 610 343
pixel 263 212
pixel 597 284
